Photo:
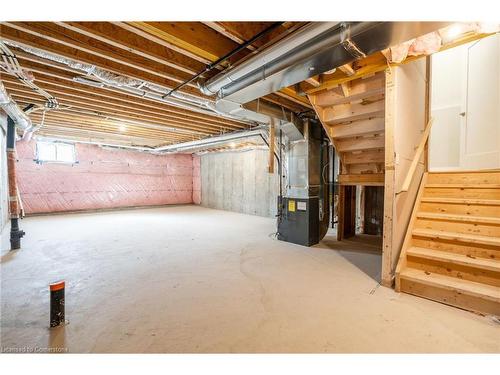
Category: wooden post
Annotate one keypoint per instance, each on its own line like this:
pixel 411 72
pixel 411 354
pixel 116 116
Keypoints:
pixel 428 77
pixel 362 208
pixel 340 216
pixel 271 146
pixel 389 188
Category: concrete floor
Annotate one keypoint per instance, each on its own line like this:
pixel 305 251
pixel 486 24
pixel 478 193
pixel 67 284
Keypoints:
pixel 192 279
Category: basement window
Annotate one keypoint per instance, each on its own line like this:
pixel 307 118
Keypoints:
pixel 55 152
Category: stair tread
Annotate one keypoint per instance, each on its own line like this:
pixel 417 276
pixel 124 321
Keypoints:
pixel 440 255
pixel 458 217
pixel 486 202
pixel 464 186
pixel 472 288
pixel 472 238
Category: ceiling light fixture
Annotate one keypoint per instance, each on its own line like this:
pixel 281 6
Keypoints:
pixel 454 31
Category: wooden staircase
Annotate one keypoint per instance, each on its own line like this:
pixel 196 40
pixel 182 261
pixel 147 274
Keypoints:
pixel 353 116
pixel 451 252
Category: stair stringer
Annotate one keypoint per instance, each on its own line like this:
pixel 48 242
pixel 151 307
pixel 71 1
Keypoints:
pixel 407 243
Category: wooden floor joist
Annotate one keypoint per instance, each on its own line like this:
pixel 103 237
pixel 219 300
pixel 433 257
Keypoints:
pixel 165 54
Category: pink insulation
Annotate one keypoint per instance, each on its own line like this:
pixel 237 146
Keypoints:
pixel 103 178
pixel 423 45
pixel 196 179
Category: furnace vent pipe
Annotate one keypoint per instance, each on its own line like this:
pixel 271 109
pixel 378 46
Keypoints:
pixel 14 203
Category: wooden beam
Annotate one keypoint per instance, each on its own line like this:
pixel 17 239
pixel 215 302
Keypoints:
pixel 160 41
pixel 291 95
pixel 314 81
pixel 48 74
pixel 71 51
pixel 87 102
pixel 345 89
pixel 194 37
pixel 347 69
pixel 369 179
pixel 61 132
pixel 416 159
pixel 283 100
pixel 242 31
pixel 352 112
pixel 56 34
pixel 358 128
pixel 94 98
pixel 363 157
pixel 116 36
pixel 217 26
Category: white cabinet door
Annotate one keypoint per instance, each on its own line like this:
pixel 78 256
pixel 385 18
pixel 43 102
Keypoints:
pixel 480 140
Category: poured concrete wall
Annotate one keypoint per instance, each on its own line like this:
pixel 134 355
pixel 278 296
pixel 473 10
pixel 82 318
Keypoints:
pixel 102 179
pixel 196 179
pixel 4 209
pixel 240 182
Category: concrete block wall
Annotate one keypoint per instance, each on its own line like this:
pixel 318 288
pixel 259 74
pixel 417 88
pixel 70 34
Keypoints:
pixel 4 187
pixel 239 182
pixel 103 178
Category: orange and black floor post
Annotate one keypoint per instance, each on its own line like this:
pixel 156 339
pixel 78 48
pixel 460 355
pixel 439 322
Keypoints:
pixel 57 316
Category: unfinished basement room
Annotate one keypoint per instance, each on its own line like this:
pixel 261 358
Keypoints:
pixel 250 186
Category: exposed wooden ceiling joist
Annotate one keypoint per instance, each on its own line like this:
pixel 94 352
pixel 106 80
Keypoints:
pixel 163 53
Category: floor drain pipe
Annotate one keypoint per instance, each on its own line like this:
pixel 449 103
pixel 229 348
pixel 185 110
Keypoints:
pixel 15 233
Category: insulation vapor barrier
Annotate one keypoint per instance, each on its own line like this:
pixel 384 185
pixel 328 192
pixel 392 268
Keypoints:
pixel 103 179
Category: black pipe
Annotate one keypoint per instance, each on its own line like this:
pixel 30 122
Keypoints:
pixel 11 133
pixel 280 176
pixel 211 66
pixel 15 233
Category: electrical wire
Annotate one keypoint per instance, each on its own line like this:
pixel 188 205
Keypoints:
pixel 11 65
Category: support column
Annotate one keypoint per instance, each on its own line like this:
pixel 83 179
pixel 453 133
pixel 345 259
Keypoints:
pixel 15 233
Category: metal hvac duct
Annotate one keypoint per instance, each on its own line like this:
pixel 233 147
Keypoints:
pixel 314 49
pixel 13 111
pixel 213 141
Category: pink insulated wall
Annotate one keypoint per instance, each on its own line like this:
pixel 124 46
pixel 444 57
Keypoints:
pixel 103 178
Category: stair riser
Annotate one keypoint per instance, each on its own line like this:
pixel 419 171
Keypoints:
pixel 464 178
pixel 455 270
pixel 450 297
pixel 459 227
pixel 462 193
pixel 460 209
pixel 480 251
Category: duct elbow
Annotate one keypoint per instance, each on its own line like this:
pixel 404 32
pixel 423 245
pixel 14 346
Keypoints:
pixel 201 82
